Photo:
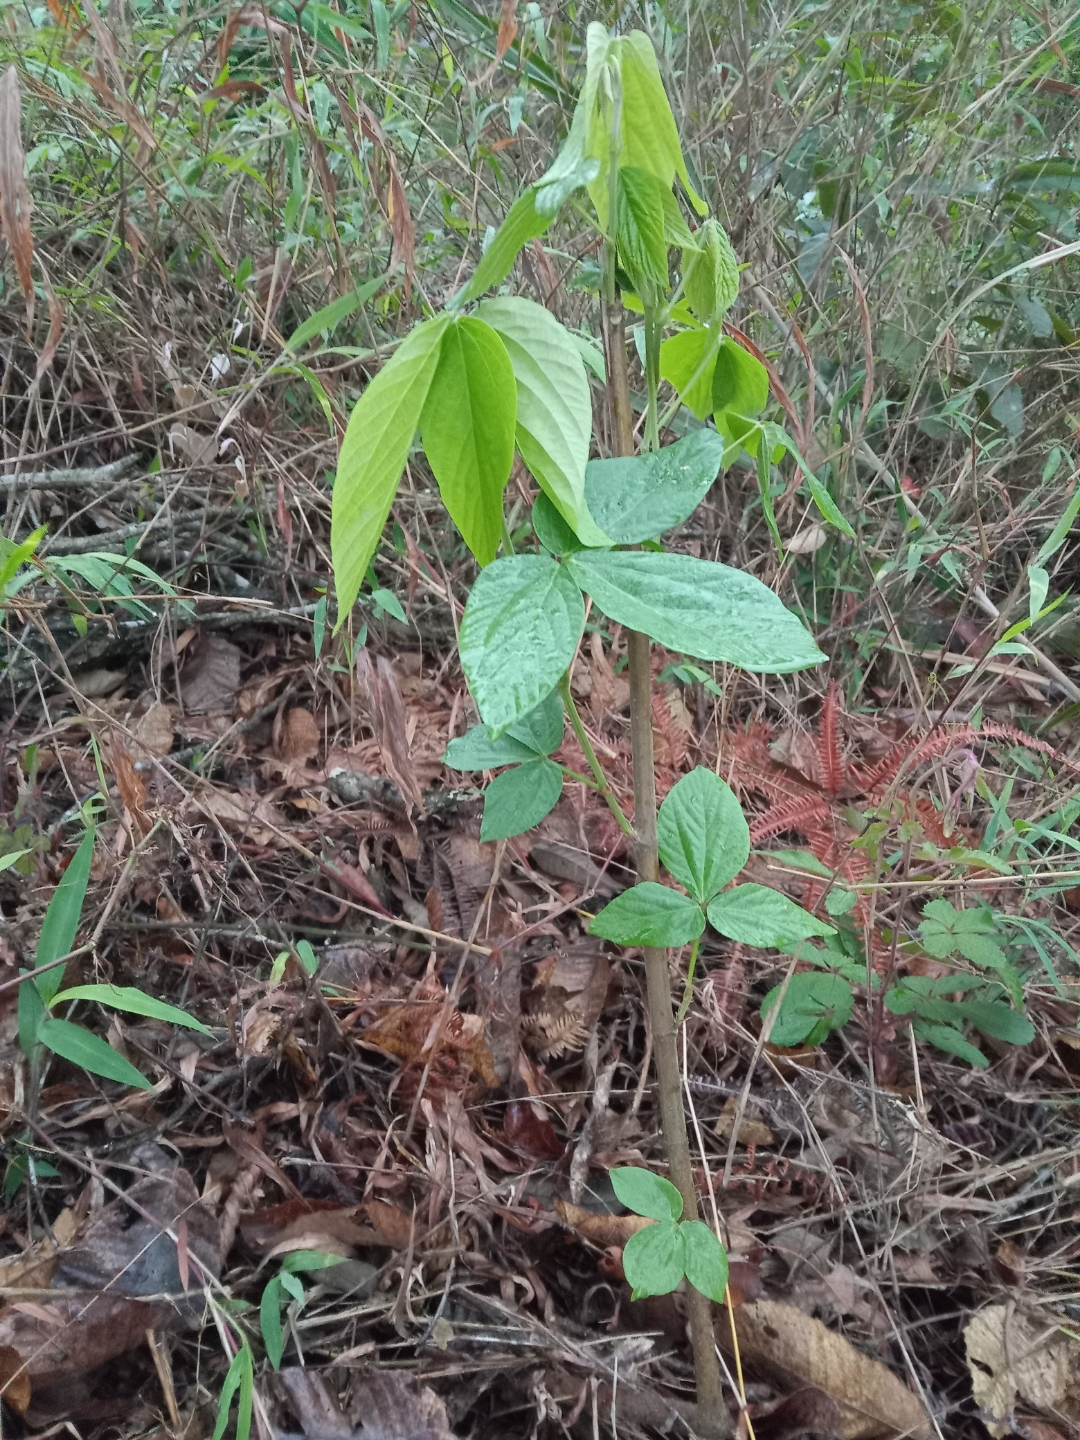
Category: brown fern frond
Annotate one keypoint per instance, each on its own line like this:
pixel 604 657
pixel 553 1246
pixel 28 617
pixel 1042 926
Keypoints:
pixel 832 762
pixel 794 814
pixel 918 748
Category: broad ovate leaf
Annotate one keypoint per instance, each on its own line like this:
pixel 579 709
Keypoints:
pixel 702 833
pixel 705 1259
pixel 740 392
pixel 554 406
pixel 649 914
pixel 467 426
pixel 637 497
pixel 521 626
pixel 756 915
pixel 645 1193
pixel 697 607
pixel 476 750
pixel 373 455
pixel 711 273
pixel 519 798
pixel 654 1260
pixel 813 1004
pixel 687 361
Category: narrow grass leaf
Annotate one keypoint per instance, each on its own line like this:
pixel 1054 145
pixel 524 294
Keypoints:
pixel 72 1042
pixel 61 921
pixel 134 1002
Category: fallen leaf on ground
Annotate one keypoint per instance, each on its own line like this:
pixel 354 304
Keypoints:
pixel 14 1381
pixel 1012 1354
pixel 386 710
pixel 300 738
pixel 153 732
pixel 807 1412
pixel 31 1270
pixel 799 1351
pixel 601 1230
pixel 211 675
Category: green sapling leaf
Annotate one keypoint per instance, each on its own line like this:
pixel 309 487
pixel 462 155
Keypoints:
pixel 645 1193
pixel 636 498
pixel 649 914
pixel 711 274
pixel 702 834
pixel 813 1004
pixel 654 1259
pixel 519 798
pixel 756 915
pixel 705 1259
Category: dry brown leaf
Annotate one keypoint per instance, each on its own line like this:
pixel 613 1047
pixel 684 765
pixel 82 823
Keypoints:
pixel 300 738
pixel 386 710
pixel 56 329
pixel 807 1412
pixel 507 28
pixel 15 203
pixel 391 1222
pixel 211 675
pixel 70 1335
pixel 1014 1354
pixel 130 785
pixel 14 1380
pixel 153 731
pixel 801 1351
pixel 31 1270
pixel 392 1405
pixel 752 1130
pixel 601 1230
pixel 806 541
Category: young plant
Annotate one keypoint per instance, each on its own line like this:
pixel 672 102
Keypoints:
pixel 507 376
pixel 285 1289
pixel 657 1258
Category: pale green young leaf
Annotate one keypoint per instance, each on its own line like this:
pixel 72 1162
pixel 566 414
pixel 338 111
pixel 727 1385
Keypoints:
pixel 270 1322
pixel 645 1193
pixel 326 320
pixel 12 857
pixel 711 273
pixel 813 1004
pixel 640 228
pixel 687 361
pixel 297 1261
pixel 467 426
pixel 705 1259
pixel 13 556
pixel 1060 533
pixel 654 1260
pixel 740 381
pixel 61 922
pixel 72 1042
pixel 1038 589
pixel 702 833
pixel 697 607
pixel 521 626
pixel 373 455
pixel 380 23
pixel 519 798
pixel 638 497
pixel 649 914
pixel 133 1002
pixel 554 406
pixel 522 223
pixel 827 506
pixel 756 915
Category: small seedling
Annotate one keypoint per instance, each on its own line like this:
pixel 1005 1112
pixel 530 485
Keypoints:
pixel 658 1257
pixel 281 1289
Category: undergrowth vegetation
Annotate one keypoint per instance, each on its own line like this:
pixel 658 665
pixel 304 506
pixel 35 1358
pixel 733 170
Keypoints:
pixel 332 383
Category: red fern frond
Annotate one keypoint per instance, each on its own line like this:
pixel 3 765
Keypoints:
pixel 918 748
pixel 793 814
pixel 832 762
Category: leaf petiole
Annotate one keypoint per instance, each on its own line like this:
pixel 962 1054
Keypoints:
pixel 603 786
pixel 688 989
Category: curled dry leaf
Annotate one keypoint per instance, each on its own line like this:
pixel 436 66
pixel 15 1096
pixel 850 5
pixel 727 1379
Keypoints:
pixel 15 203
pixel 807 541
pixel 153 732
pixel 386 710
pixel 799 1351
pixel 300 738
pixel 211 675
pixel 70 1335
pixel 1012 1354
pixel 14 1380
pixel 601 1230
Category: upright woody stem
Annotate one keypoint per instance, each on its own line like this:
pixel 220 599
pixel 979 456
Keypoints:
pixel 712 1417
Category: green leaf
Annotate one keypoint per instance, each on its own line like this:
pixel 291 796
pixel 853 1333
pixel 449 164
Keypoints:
pixel 551 529
pixel 302 1260
pixel 270 1322
pixel 702 834
pixel 240 1377
pixel 705 1259
pixel 380 23
pixel 373 454
pixel 61 921
pixel 1060 533
pixel 134 1002
pixel 949 1039
pixel 12 857
pixel 520 629
pixel 308 958
pixel 813 1004
pixel 518 799
pixel 542 728
pixel 827 506
pixel 698 607
pixel 522 223
pixel 654 1260
pixel 318 626
pixel 476 750
pixel 687 362
pixel 994 1018
pixel 756 915
pixel 640 237
pixel 638 497
pixel 13 557
pixel 645 1193
pixel 1038 589
pixel 31 1012
pixel 740 391
pixel 467 426
pixel 330 316
pixel 72 1042
pixel 649 914
pixel 711 274
pixel 554 405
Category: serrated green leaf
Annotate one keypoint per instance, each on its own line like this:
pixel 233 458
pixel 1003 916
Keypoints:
pixel 697 607
pixel 330 316
pixel 649 914
pixel 645 1193
pixel 519 798
pixel 702 834
pixel 981 950
pixel 711 274
pixel 134 1002
pixel 687 362
pixel 814 1003
pixel 756 915
pixel 373 455
pixel 72 1042
pixel 61 923
pixel 705 1259
pixel 551 529
pixel 476 750
pixel 467 426
pixel 654 1260
pixel 949 1039
pixel 554 406
pixel 640 236
pixel 520 629
pixel 637 497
